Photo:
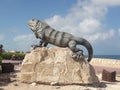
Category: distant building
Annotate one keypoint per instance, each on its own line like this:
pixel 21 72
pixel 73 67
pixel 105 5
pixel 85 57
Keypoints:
pixel 13 51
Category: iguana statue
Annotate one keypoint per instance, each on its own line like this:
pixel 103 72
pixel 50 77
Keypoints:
pixel 46 34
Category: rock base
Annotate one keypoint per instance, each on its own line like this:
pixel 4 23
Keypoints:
pixel 56 66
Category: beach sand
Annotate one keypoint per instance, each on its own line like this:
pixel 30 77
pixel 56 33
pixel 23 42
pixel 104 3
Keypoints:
pixel 98 64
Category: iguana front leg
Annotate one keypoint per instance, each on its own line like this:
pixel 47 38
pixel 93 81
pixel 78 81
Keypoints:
pixel 77 53
pixel 42 43
pixel 41 36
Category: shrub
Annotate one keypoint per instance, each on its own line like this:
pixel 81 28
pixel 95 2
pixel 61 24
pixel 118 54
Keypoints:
pixel 19 56
pixel 9 55
pixel 1 59
pixel 6 55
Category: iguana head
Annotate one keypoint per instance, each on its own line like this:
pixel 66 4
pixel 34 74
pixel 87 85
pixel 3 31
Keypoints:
pixel 36 25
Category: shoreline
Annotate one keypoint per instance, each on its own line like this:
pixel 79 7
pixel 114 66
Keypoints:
pixel 117 57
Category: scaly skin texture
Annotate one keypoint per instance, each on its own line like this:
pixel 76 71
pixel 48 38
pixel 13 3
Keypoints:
pixel 46 34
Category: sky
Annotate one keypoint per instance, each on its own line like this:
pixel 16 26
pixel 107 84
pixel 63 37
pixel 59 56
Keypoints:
pixel 98 21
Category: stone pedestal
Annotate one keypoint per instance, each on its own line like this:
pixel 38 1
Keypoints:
pixel 7 67
pixel 109 76
pixel 55 65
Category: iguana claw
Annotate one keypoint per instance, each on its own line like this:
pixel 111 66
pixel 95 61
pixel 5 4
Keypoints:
pixel 78 56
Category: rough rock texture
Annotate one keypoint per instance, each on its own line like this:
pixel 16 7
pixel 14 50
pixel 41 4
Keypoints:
pixel 55 65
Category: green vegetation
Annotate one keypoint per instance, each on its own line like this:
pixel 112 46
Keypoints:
pixel 1 59
pixel 13 56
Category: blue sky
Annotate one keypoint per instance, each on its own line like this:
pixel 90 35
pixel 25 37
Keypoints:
pixel 95 20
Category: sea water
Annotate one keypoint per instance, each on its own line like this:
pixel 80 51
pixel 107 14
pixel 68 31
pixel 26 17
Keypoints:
pixel 108 56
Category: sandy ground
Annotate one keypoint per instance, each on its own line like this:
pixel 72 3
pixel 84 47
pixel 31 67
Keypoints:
pixel 11 81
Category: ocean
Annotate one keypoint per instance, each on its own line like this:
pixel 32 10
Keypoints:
pixel 108 56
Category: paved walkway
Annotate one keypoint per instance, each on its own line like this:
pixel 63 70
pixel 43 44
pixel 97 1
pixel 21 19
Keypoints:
pixel 99 69
pixel 15 62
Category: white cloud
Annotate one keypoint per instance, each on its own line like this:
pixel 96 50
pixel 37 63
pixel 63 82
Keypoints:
pixel 84 20
pixel 101 36
pixel 23 37
pixel 89 26
pixel 23 42
pixel 119 31
pixel 86 9
pixel 107 2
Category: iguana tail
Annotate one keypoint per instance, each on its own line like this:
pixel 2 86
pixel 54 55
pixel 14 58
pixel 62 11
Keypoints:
pixel 86 44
